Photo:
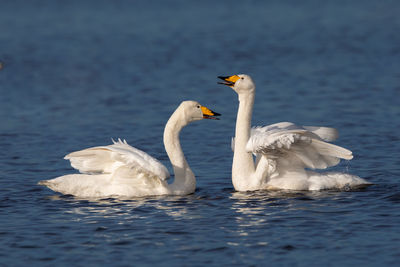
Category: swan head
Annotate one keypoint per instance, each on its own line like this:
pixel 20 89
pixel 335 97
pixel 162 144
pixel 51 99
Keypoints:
pixel 193 111
pixel 240 83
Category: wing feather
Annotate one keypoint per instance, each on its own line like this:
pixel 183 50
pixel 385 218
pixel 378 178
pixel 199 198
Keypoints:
pixel 307 144
pixel 107 159
pixel 325 133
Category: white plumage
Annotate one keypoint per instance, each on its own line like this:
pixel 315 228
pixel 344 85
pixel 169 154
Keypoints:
pixel 107 159
pixel 284 138
pixel 284 151
pixel 122 170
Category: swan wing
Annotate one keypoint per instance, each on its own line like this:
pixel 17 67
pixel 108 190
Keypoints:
pixel 107 159
pixel 325 133
pixel 307 144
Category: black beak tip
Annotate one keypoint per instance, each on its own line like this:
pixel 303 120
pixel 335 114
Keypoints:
pixel 223 77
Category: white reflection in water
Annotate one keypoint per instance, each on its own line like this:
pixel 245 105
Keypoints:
pixel 128 209
pixel 248 213
pixel 259 208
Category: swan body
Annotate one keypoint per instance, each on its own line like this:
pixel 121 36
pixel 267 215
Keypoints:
pixel 283 151
pixel 122 170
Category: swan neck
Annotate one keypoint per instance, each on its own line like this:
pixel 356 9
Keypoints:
pixel 243 164
pixel 243 121
pixel 184 181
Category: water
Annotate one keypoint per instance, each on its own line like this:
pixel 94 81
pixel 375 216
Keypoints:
pixel 77 73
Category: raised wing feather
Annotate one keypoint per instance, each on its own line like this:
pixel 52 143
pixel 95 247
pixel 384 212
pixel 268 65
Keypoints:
pixel 285 139
pixel 325 133
pixel 107 159
pixel 275 137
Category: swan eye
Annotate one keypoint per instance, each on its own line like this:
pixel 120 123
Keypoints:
pixel 198 106
pixel 242 78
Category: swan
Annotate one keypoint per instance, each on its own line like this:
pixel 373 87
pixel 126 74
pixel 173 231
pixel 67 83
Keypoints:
pixel 283 151
pixel 122 170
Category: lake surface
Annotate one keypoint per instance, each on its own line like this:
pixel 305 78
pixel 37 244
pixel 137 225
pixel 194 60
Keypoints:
pixel 75 74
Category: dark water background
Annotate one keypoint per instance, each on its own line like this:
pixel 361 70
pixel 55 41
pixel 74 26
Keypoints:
pixel 76 73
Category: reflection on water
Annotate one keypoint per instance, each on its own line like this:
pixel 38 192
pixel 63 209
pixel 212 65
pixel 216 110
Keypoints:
pixel 128 209
pixel 265 225
pixel 268 208
pixel 251 208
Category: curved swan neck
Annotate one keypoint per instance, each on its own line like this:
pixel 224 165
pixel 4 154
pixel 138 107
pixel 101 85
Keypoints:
pixel 243 164
pixel 184 181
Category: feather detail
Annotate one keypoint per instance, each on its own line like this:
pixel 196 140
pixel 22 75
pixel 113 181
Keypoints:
pixel 325 133
pixel 107 159
pixel 285 140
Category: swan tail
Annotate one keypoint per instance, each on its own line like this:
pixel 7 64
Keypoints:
pixel 44 183
pixel 81 185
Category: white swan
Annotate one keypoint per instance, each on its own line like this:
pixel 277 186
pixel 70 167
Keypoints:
pixel 283 151
pixel 122 170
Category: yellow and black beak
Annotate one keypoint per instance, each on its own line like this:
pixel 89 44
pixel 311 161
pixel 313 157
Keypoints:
pixel 209 114
pixel 229 80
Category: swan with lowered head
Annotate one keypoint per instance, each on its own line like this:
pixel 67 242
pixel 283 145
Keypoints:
pixel 122 170
pixel 283 151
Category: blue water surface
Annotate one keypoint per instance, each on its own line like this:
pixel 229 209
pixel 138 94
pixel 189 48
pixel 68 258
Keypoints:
pixel 74 74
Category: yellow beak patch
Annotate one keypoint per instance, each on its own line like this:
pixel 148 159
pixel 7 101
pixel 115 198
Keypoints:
pixel 209 114
pixel 232 78
pixel 229 80
pixel 207 111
